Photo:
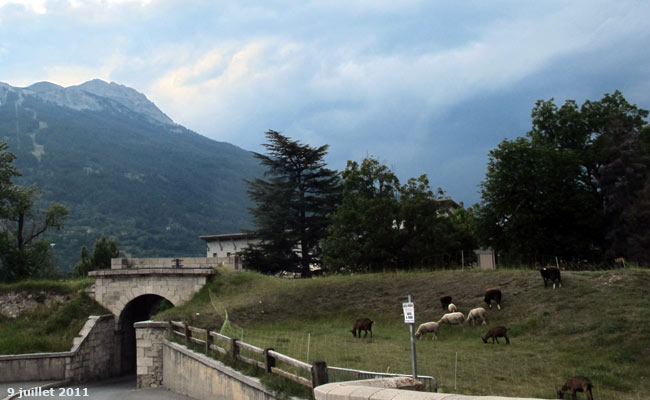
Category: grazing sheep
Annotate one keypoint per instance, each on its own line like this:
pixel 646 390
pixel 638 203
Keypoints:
pixel 432 327
pixel 576 384
pixel 445 301
pixel 363 324
pixel 551 274
pixel 475 314
pixel 493 294
pixel 495 333
pixel 455 318
pixel 452 308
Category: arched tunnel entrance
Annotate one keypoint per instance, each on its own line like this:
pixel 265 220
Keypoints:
pixel 139 309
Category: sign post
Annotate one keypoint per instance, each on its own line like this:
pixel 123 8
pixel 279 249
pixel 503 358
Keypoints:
pixel 409 318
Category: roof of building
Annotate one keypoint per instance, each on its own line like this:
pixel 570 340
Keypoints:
pixel 228 236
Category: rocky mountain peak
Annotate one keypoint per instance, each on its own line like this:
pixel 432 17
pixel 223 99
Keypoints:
pixel 126 96
pixel 93 95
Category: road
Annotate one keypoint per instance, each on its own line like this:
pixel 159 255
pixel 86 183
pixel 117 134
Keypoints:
pixel 122 388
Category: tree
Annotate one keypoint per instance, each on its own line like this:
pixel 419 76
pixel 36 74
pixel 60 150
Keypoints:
pixel 363 236
pixel 103 250
pixel 564 189
pixel 23 252
pixel 291 205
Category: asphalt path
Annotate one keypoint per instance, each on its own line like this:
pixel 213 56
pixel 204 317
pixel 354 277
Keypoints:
pixel 122 388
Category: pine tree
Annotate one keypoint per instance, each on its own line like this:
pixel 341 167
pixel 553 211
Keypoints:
pixel 291 206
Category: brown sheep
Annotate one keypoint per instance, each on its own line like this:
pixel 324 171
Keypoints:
pixel 495 333
pixel 576 384
pixel 363 324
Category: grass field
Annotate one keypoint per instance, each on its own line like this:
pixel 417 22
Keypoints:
pixel 47 329
pixel 596 325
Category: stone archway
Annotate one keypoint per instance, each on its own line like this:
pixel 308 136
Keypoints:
pixel 138 309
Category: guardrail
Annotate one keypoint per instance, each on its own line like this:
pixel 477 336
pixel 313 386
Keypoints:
pixel 267 359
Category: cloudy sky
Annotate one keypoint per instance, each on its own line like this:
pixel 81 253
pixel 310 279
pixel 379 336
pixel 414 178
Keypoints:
pixel 424 86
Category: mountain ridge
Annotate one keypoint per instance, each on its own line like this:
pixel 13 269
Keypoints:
pixel 93 95
pixel 154 186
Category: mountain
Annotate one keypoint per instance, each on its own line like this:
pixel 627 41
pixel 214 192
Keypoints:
pixel 123 169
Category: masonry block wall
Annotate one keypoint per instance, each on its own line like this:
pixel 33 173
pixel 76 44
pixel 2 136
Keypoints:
pixel 149 336
pixel 94 351
pixel 91 357
pixel 114 289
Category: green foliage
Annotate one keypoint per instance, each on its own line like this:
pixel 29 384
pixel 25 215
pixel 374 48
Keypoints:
pixel 573 187
pixel 382 224
pixel 363 235
pixel 291 206
pixel 48 328
pixel 103 250
pixel 23 251
pixel 47 285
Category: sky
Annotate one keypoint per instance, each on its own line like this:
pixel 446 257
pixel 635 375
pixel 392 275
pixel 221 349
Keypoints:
pixel 425 87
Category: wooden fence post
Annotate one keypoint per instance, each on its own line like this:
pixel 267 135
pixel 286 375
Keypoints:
pixel 208 341
pixel 188 334
pixel 171 329
pixel 234 348
pixel 269 362
pixel 318 373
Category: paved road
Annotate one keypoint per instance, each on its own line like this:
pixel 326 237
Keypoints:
pixel 119 388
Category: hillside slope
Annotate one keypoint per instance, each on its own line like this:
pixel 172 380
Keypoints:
pixel 124 169
pixel 595 325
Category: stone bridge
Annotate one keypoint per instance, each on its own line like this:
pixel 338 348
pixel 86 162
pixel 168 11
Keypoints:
pixel 134 289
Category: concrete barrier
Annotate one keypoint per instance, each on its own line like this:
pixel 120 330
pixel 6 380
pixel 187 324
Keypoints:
pixel 203 378
pixel 89 358
pixel 390 388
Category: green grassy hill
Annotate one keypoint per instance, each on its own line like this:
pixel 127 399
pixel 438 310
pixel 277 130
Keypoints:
pixel 596 325
pixel 47 327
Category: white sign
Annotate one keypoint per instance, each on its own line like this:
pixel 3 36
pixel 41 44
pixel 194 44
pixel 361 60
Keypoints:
pixel 409 313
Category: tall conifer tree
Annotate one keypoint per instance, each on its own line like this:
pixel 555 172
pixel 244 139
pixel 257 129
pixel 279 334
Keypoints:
pixel 291 205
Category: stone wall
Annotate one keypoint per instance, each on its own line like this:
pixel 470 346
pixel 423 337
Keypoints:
pixel 390 388
pixel 185 262
pixel 203 378
pixel 12 304
pixel 90 357
pixel 114 289
pixel 149 336
pixel 94 351
pixel 34 367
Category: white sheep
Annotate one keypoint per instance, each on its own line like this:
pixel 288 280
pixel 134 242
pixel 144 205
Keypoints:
pixel 475 314
pixel 452 308
pixel 432 327
pixel 455 318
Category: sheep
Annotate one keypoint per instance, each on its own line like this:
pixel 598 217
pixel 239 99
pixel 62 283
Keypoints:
pixel 452 308
pixel 445 301
pixel 363 324
pixel 551 274
pixel 495 333
pixel 432 327
pixel 455 318
pixel 576 384
pixel 493 294
pixel 475 314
